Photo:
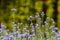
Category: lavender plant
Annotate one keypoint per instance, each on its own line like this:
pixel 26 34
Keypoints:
pixel 36 29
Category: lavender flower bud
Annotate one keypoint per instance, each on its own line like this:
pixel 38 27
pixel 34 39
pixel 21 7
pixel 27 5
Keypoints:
pixel 19 36
pixel 46 23
pixel 3 26
pixel 36 25
pixel 56 28
pixel 37 15
pixel 23 35
pixel 13 23
pixel 33 30
pixel 31 17
pixel 30 35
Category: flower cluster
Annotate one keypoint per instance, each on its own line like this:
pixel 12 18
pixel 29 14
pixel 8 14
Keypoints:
pixel 36 29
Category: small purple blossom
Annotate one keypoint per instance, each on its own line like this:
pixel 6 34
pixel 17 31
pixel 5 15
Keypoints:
pixel 31 17
pixel 46 23
pixel 37 15
pixel 33 30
